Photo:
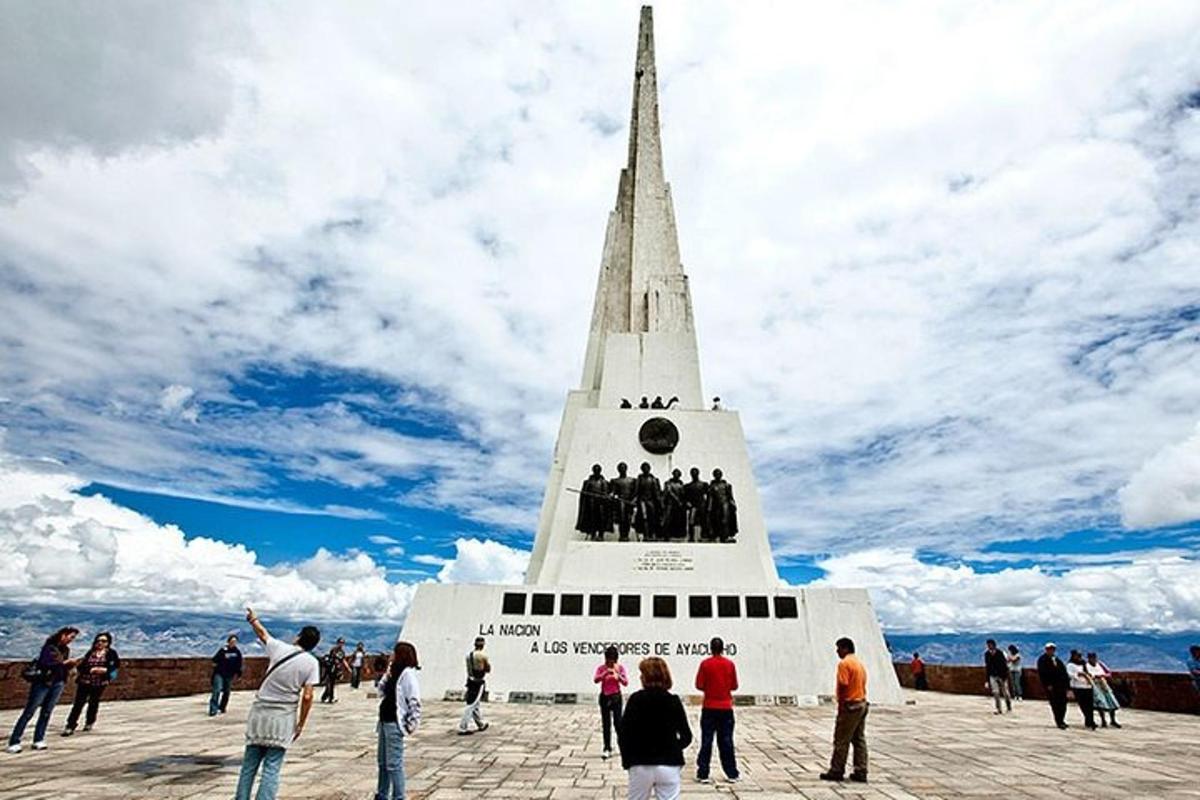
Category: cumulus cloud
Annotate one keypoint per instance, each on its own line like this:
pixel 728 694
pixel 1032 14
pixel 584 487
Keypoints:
pixel 1166 489
pixel 1152 591
pixel 942 261
pixel 484 561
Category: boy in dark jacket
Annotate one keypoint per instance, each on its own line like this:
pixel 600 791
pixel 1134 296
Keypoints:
pixel 227 667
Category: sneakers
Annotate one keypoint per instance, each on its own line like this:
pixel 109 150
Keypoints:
pixel 68 731
pixel 832 776
pixel 704 779
pixel 606 755
pixel 40 745
pixel 858 777
pixel 87 727
pixel 13 748
pixel 734 779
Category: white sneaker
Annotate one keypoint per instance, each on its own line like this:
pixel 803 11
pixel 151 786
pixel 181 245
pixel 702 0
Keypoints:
pixel 606 754
pixel 738 779
pixel 13 748
pixel 39 745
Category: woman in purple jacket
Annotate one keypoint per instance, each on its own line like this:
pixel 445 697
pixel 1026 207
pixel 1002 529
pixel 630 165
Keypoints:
pixel 52 667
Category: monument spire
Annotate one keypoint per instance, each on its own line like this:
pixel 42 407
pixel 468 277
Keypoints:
pixel 642 287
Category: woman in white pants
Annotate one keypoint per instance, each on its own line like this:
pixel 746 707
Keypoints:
pixel 652 735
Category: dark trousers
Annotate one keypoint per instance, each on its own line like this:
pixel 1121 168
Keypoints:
pixel 89 695
pixel 1087 703
pixel 1058 704
pixel 610 715
pixel 716 722
pixel 921 682
pixel 355 677
pixel 330 685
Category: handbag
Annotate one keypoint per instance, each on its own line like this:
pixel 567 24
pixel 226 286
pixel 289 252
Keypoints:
pixel 34 672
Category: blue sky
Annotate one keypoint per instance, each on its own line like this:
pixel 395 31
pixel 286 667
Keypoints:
pixel 297 298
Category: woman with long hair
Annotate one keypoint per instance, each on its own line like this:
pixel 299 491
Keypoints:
pixel 47 676
pixel 611 676
pixel 96 669
pixel 653 734
pixel 399 716
pixel 1105 700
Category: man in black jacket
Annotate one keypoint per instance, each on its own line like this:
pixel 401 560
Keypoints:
pixel 1052 672
pixel 227 666
pixel 996 666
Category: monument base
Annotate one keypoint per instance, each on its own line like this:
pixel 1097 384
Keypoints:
pixel 545 644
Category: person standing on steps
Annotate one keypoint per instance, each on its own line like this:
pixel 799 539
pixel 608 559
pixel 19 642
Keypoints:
pixel 95 671
pixel 227 667
pixel 611 676
pixel 717 679
pixel 851 726
pixel 478 668
pixel 272 724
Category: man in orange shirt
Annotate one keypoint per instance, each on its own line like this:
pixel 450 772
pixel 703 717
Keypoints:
pixel 851 725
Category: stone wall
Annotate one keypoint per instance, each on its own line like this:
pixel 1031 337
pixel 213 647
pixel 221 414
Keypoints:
pixel 142 678
pixel 1151 691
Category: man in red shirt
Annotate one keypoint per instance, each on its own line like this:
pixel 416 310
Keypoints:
pixel 717 678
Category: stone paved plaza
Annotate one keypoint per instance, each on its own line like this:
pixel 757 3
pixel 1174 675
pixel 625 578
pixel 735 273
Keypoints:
pixel 943 746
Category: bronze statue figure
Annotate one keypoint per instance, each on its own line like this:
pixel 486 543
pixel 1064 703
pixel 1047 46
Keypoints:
pixel 595 507
pixel 695 498
pixel 722 509
pixel 649 504
pixel 674 518
pixel 623 490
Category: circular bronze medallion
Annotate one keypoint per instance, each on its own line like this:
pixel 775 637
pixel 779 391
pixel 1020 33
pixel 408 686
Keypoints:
pixel 658 435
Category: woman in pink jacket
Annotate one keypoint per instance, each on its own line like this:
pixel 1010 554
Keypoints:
pixel 611 676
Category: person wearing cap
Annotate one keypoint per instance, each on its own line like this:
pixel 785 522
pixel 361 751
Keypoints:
pixel 1052 673
pixel 478 667
pixel 335 662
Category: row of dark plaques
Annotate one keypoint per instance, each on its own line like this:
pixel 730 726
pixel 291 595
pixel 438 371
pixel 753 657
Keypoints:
pixel 665 606
pixel 573 698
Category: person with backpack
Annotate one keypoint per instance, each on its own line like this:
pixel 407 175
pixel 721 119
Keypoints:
pixel 47 676
pixel 96 670
pixel 478 668
pixel 272 724
pixel 399 716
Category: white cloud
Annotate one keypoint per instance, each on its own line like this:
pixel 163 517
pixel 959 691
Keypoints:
pixel 943 261
pixel 1166 488
pixel 380 539
pixel 59 546
pixel 484 561
pixel 1150 591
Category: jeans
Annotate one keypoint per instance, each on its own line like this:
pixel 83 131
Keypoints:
pixel 1018 691
pixel 662 779
pixel 42 696
pixel 850 729
pixel 473 711
pixel 89 695
pixel 1000 689
pixel 719 722
pixel 271 759
pixel 391 762
pixel 610 715
pixel 355 677
pixel 220 694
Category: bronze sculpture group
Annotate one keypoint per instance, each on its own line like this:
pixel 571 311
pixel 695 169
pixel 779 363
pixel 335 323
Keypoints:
pixel 655 511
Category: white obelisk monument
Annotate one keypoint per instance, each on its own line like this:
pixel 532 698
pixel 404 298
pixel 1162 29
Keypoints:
pixel 648 597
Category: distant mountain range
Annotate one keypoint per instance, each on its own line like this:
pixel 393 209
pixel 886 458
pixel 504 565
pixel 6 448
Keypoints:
pixel 1131 651
pixel 149 632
